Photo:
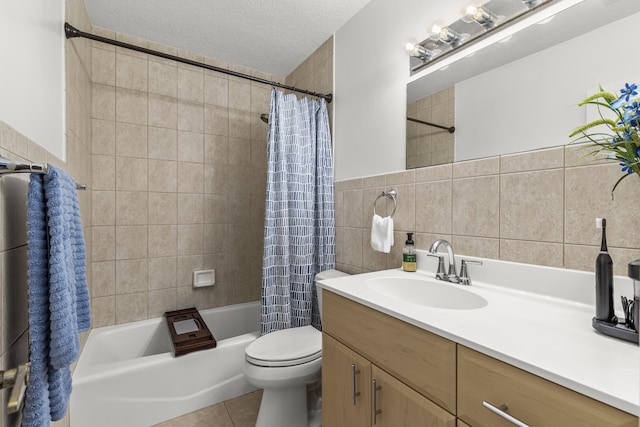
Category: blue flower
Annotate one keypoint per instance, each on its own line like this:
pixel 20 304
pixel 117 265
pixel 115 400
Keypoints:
pixel 628 91
pixel 632 113
pixel 626 166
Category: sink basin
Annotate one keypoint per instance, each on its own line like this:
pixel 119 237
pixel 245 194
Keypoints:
pixel 426 292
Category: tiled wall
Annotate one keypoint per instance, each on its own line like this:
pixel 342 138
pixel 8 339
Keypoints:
pixel 427 145
pixel 537 207
pixel 13 190
pixel 179 167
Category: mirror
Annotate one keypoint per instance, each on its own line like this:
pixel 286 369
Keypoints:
pixel 520 95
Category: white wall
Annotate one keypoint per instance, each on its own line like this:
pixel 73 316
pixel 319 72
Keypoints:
pixel 371 71
pixel 32 98
pixel 531 103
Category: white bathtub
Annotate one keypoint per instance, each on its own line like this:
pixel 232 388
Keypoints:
pixel 127 374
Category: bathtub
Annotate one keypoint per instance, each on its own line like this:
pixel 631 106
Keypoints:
pixel 127 374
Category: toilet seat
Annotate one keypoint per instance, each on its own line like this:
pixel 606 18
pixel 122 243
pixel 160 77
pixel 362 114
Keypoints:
pixel 288 347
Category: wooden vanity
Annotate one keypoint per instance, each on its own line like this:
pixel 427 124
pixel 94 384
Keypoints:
pixel 379 370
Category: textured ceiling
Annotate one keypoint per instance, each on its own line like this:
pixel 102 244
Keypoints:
pixel 273 36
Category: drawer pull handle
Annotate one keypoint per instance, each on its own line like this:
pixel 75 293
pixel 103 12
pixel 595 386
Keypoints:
pixel 374 410
pixel 501 411
pixel 354 393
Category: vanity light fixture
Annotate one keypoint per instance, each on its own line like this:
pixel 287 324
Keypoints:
pixel 418 51
pixel 480 15
pixel 445 34
pixel 498 20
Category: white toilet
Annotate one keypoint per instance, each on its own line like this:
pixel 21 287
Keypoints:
pixel 283 363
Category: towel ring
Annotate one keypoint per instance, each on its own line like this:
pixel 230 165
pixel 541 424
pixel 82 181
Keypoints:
pixel 390 194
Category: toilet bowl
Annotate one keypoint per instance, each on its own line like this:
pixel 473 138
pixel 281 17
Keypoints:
pixel 283 363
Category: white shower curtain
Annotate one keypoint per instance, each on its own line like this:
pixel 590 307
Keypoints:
pixel 299 235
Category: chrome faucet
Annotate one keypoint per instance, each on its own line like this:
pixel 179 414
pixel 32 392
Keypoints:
pixel 452 274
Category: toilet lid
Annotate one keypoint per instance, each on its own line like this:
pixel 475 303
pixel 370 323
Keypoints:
pixel 287 347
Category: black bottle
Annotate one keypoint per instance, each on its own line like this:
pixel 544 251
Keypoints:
pixel 604 279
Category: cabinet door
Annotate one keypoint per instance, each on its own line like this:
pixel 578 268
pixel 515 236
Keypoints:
pixel 346 386
pixel 399 405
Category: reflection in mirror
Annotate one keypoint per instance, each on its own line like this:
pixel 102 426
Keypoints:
pixel 534 78
pixel 429 145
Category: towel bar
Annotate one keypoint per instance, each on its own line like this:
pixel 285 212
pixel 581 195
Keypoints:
pixel 390 194
pixel 17 379
pixel 8 166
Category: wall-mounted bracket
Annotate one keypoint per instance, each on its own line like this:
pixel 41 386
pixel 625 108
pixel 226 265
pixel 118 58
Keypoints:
pixel 17 379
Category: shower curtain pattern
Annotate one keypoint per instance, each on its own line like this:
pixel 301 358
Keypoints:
pixel 299 237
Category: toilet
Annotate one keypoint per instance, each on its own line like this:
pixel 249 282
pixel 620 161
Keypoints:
pixel 283 363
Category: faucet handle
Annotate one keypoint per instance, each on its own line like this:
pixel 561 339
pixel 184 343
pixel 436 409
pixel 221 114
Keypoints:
pixel 465 279
pixel 440 274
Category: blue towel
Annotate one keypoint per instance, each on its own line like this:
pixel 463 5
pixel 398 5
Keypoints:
pixel 58 294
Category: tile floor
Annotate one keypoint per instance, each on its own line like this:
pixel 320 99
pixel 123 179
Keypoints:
pixel 239 412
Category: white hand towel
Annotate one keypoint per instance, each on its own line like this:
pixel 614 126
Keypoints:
pixel 382 233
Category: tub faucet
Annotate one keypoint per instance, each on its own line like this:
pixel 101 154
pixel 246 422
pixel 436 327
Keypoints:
pixel 452 274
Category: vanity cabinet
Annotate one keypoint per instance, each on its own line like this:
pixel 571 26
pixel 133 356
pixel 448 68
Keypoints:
pixel 483 380
pixel 384 364
pixel 425 379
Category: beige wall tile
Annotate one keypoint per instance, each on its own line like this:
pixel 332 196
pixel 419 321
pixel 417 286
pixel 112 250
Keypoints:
pixel 406 177
pixel 131 106
pixel 239 96
pixel 482 167
pixel 216 207
pixel 163 79
pixel 216 179
pixel 552 158
pixel 131 307
pixel 163 176
pixel 190 177
pixel 239 124
pixel 588 196
pixel 190 116
pixel 191 84
pixel 162 272
pixel 190 146
pixel 434 173
pixel 104 137
pixel 216 239
pixel 240 152
pixel 190 208
pixel 131 208
pixel 476 246
pixel 103 311
pixel 103 278
pixel 103 247
pixel 131 241
pixel 131 140
pixel 163 111
pixel 162 208
pixel 162 143
pixel 103 102
pixel 216 120
pixel 103 68
pixel 338 208
pixel 352 204
pixel 433 207
pixel 103 207
pixel 161 301
pixel 131 276
pixel 190 239
pixel 131 174
pixel 162 240
pixel 352 246
pixel 372 260
pixel 216 149
pixel 541 253
pixel 369 197
pixel 476 203
pixel 186 265
pixel 131 72
pixel 532 206
pixel 405 217
pixel 216 90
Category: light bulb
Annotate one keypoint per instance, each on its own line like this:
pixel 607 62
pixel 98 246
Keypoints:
pixel 480 15
pixel 445 34
pixel 418 51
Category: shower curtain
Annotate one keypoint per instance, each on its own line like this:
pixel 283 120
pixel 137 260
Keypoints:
pixel 299 232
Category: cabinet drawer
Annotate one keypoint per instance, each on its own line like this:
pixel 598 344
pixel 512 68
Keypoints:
pixel 420 359
pixel 528 398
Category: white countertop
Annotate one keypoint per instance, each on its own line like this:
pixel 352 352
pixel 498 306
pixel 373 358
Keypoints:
pixel 544 334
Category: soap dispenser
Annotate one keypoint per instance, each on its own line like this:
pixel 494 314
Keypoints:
pixel 409 254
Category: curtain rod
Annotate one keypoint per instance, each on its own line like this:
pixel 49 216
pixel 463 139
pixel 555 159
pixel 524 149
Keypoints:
pixel 450 129
pixel 71 32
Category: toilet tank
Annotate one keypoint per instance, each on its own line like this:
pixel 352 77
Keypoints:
pixel 327 274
